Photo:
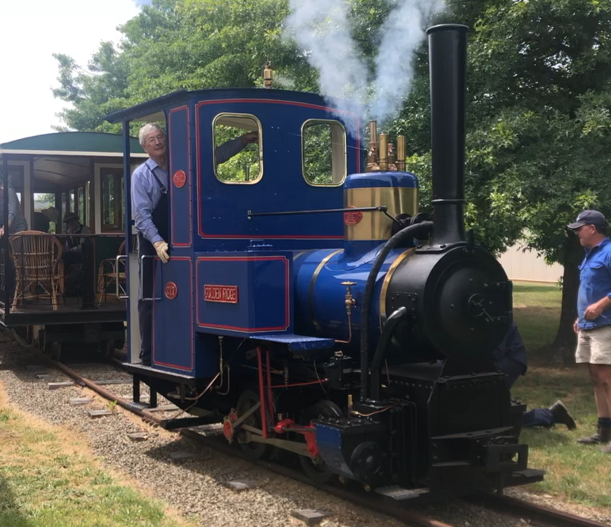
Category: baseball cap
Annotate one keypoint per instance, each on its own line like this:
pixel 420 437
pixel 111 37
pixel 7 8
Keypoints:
pixel 589 217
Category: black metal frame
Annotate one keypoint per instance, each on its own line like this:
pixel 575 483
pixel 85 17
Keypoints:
pixel 58 317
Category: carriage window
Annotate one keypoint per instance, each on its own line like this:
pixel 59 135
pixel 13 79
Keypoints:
pixel 73 202
pixel 324 153
pixel 81 205
pixel 112 200
pixel 65 203
pixel 237 148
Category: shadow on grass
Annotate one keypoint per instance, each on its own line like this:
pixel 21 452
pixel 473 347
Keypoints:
pixel 542 437
pixel 541 289
pixel 10 516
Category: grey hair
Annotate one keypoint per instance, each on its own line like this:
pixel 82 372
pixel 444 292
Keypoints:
pixel 147 129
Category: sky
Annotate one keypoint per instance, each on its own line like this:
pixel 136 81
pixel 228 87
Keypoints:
pixel 30 32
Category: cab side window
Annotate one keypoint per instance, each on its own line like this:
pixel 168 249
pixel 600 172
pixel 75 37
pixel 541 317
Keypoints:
pixel 324 153
pixel 238 149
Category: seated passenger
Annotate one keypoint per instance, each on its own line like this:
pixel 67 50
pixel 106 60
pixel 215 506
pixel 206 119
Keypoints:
pixel 510 358
pixel 75 244
pixel 78 256
pixel 43 219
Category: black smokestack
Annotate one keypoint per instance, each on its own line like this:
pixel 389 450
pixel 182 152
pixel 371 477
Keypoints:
pixel 447 63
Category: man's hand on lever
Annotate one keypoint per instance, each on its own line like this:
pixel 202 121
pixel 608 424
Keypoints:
pixel 162 251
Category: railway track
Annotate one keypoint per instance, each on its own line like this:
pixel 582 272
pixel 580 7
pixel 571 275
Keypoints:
pixel 533 514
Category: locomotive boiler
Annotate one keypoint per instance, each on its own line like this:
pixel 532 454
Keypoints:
pixel 363 346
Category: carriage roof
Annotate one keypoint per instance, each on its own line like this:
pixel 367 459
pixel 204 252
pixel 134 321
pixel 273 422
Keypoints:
pixel 71 144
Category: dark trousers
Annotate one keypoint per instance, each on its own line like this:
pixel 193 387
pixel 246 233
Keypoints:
pixel 145 307
pixel 511 368
pixel 537 417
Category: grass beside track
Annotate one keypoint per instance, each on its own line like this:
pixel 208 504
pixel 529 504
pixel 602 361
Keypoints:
pixel 49 479
pixel 575 473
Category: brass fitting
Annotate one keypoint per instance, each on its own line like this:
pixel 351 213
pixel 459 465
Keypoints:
pixel 392 165
pixel 268 75
pixel 350 301
pixel 383 152
pixel 401 153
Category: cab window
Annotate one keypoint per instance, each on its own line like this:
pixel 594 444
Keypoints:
pixel 237 148
pixel 324 153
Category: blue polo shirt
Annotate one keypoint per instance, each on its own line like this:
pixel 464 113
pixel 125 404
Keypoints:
pixel 595 284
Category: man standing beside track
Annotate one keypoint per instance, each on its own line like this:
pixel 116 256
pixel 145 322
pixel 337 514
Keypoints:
pixel 593 324
pixel 149 194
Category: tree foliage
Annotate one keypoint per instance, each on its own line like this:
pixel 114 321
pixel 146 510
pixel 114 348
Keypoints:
pixel 182 45
pixel 539 78
pixel 538 103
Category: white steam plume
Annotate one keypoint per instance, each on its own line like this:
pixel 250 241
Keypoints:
pixel 322 29
pixel 402 33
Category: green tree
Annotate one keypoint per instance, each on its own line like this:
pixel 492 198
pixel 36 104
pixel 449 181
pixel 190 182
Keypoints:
pixel 539 73
pixel 93 91
pixel 181 45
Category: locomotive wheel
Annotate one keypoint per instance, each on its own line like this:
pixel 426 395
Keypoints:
pixel 251 449
pixel 318 471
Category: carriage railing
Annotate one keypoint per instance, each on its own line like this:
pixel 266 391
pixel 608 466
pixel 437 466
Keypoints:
pixel 48 272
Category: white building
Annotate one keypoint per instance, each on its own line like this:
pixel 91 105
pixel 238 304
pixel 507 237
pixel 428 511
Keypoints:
pixel 528 266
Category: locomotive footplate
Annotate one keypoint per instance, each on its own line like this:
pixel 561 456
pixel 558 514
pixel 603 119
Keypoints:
pixel 479 460
pixel 493 449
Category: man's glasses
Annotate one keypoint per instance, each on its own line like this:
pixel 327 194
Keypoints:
pixel 156 139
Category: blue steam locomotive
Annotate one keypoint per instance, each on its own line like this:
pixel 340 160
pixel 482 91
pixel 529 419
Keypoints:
pixel 308 306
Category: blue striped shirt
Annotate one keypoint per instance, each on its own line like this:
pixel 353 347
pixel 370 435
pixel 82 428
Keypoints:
pixel 595 284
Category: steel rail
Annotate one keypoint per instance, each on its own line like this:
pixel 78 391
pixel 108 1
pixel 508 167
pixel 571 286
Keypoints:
pixel 542 515
pixel 533 512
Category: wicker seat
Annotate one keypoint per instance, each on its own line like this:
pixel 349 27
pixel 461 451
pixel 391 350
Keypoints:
pixel 109 274
pixel 38 265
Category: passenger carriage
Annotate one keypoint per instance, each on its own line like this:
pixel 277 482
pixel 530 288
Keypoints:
pixel 50 294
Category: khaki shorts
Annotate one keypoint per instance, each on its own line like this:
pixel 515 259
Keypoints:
pixel 594 346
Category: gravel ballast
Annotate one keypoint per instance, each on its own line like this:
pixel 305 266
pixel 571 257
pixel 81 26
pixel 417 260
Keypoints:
pixel 194 482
